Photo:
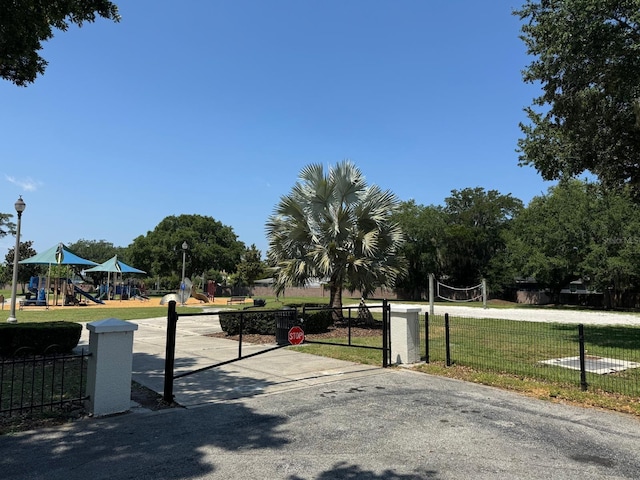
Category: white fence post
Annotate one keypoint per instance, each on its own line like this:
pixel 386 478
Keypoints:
pixel 405 334
pixel 109 366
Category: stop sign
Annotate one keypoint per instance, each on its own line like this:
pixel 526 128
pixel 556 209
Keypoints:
pixel 296 336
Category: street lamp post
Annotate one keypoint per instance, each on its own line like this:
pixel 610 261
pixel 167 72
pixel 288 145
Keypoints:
pixel 183 285
pixel 20 206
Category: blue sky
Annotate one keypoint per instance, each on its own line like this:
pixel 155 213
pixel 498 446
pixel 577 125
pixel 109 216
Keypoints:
pixel 214 107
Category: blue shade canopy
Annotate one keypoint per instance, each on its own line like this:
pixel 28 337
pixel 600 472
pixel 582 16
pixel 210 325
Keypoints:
pixel 114 265
pixel 57 255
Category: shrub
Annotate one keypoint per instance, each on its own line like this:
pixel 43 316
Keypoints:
pixel 39 336
pixel 262 323
pixel 317 321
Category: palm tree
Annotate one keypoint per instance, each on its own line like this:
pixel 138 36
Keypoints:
pixel 337 229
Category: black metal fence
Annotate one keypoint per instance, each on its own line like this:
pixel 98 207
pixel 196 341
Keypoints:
pixel 605 358
pixel 42 383
pixel 360 315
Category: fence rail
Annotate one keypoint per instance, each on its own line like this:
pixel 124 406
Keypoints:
pixel 39 383
pixel 605 358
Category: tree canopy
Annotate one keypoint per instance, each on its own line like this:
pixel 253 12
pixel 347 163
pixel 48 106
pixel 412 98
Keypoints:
pixel 25 272
pixel 587 118
pixel 97 250
pixel 578 231
pixel 476 220
pixel 6 225
pixel 461 243
pixel 210 245
pixel 250 268
pixel 424 231
pixel 25 24
pixel 334 227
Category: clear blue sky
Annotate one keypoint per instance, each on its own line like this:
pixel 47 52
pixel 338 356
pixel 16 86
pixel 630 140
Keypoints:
pixel 213 107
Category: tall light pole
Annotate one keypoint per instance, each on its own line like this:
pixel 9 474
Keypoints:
pixel 20 206
pixel 183 285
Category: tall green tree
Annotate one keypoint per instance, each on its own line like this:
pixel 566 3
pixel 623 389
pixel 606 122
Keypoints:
pixel 25 24
pixel 612 262
pixel 551 238
pixel 579 230
pixel 475 223
pixel 25 272
pixel 251 266
pixel 424 229
pixel 587 64
pixel 211 245
pixel 333 226
pixel 97 250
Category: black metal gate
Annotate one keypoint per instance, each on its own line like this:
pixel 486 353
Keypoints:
pixel 285 318
pixel 351 320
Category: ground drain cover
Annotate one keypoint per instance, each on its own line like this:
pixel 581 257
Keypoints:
pixel 593 364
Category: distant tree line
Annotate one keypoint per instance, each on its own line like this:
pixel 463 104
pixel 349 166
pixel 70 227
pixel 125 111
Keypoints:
pixel 578 230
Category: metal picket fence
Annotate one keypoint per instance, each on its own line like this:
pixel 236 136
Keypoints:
pixel 42 383
pixel 604 358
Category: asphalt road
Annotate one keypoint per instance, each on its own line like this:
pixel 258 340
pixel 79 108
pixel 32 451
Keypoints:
pixel 293 416
pixel 394 424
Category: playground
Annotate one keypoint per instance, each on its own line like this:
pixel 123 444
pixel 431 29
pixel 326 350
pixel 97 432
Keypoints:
pixel 130 303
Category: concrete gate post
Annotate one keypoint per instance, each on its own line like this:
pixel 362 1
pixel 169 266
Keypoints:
pixel 405 334
pixel 109 366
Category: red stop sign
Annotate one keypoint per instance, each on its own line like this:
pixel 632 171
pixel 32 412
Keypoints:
pixel 296 336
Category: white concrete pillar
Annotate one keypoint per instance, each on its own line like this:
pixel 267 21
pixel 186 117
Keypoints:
pixel 109 366
pixel 405 334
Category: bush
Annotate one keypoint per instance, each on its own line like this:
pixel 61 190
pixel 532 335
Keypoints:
pixel 317 321
pixel 262 323
pixel 39 336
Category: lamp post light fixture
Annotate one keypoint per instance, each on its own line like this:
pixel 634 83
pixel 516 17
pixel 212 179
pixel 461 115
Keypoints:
pixel 183 285
pixel 185 247
pixel 20 206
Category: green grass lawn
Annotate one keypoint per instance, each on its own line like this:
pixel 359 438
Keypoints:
pixel 519 348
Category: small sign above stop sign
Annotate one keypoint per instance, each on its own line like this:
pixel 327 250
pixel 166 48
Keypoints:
pixel 296 336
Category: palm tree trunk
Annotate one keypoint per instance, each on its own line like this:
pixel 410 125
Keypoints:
pixel 335 297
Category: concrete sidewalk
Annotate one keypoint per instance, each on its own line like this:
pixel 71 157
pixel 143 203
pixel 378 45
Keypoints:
pixel 272 372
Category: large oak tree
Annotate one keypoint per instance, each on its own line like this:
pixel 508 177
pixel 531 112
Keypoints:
pixel 211 246
pixel 25 24
pixel 586 61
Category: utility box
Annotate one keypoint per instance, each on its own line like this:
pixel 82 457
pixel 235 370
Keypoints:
pixel 109 367
pixel 405 334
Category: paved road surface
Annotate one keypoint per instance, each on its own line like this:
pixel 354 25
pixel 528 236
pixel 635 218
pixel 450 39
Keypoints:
pixel 394 424
pixel 295 416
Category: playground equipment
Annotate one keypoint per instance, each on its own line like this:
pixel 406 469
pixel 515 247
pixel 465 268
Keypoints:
pixel 82 293
pixel 200 296
pixel 36 289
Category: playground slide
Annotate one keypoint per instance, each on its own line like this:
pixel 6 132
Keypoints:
pixel 85 294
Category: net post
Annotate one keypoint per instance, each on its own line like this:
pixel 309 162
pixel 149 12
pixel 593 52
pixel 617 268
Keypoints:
pixel 484 293
pixel 431 288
